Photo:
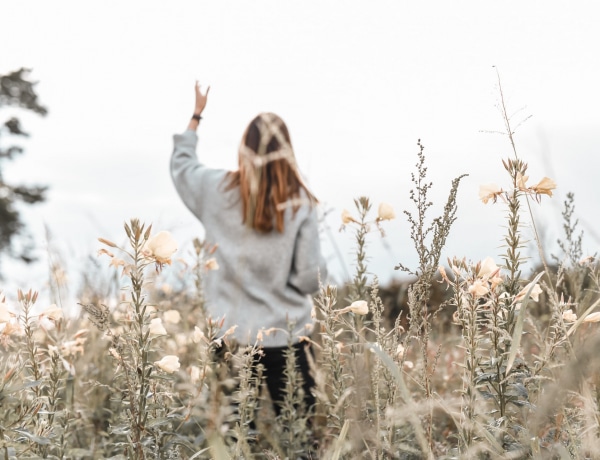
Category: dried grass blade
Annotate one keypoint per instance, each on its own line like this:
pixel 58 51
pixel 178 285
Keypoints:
pixel 518 332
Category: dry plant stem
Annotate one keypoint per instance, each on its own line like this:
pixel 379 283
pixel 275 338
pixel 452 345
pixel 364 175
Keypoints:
pixel 143 367
pixel 429 239
pixel 337 380
pixel 200 254
pixel 512 257
pixel 358 288
pixel 31 364
pixel 467 316
pixel 510 134
pixel 376 372
pixel 497 355
pixel 294 413
pixel 246 399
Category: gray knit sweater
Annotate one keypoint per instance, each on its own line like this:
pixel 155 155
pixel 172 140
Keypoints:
pixel 263 280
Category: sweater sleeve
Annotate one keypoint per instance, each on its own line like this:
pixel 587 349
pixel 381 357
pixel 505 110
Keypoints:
pixel 188 174
pixel 308 264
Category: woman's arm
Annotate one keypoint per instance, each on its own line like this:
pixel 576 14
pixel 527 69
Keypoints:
pixel 199 107
pixel 186 171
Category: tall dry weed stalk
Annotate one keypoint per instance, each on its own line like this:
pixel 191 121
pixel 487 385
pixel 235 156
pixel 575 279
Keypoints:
pixel 429 238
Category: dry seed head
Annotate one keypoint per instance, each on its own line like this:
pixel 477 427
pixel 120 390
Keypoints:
pixel 107 242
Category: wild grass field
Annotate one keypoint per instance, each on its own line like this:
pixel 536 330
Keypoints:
pixel 485 359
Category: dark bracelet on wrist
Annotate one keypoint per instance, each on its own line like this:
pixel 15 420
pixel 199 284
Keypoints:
pixel 196 117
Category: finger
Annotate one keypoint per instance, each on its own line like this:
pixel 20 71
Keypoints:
pixel 207 90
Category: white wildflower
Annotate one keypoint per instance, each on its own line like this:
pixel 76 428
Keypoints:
pixel 172 316
pixel 156 327
pixel 168 364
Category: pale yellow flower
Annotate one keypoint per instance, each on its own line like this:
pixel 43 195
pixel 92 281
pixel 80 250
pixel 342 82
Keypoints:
pixel 487 268
pixel 156 327
pixel 166 289
pixel 544 187
pixel 534 295
pixel 522 181
pixel 13 328
pixel 197 335
pixel 443 274
pixel 586 260
pixel 385 212
pixel 211 264
pixel 5 314
pixel 489 192
pixel 592 317
pixel 400 350
pixel 105 251
pixel 72 347
pixel 347 217
pixel 569 316
pixel 116 262
pixel 495 282
pixel 53 313
pixel 359 307
pixel 478 288
pixel 160 247
pixel 229 331
pixel 172 316
pixel 168 364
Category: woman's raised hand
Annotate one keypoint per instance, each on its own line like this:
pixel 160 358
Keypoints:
pixel 200 98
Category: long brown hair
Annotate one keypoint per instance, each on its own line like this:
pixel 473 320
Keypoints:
pixel 268 176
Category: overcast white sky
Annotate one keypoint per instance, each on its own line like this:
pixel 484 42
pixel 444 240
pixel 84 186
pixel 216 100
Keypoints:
pixel 357 82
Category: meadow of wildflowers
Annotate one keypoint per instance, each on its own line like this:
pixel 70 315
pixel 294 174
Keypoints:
pixel 144 372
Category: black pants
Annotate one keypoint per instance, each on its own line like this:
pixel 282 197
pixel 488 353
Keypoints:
pixel 273 360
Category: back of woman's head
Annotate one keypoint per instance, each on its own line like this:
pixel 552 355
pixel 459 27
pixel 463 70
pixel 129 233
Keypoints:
pixel 268 176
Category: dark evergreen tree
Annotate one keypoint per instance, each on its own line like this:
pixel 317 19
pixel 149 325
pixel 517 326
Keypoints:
pixel 16 91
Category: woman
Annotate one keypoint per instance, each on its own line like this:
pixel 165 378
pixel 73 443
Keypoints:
pixel 264 221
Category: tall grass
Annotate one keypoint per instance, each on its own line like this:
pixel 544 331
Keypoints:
pixel 144 372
